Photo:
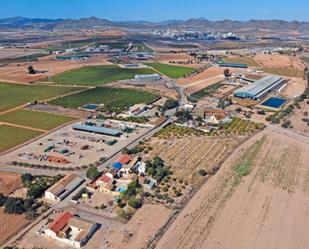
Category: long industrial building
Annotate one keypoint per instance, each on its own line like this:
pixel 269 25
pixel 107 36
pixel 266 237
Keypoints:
pixel 261 87
pixel 98 130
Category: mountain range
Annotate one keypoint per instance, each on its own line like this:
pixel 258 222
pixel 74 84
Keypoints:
pixel 199 23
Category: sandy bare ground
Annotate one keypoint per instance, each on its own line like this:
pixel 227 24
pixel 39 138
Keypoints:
pixel 10 224
pixel 9 182
pixel 266 209
pixel 177 57
pixel 199 85
pixel 207 74
pixel 13 73
pixel 298 114
pixel 294 88
pixel 279 61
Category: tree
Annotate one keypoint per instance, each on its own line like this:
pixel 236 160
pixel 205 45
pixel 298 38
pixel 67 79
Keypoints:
pixel 36 191
pixel 170 104
pixel 31 70
pixel 14 206
pixel 135 203
pixel 92 173
pixel 226 73
pixel 26 179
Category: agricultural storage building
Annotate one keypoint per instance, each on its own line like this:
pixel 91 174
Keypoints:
pixel 234 65
pixel 147 77
pixel 98 130
pixel 63 187
pixel 260 88
pixel 71 230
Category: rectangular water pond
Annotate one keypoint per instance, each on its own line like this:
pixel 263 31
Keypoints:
pixel 274 102
pixel 90 107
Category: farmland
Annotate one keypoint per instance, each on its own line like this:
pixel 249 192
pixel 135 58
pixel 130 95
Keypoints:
pixel 172 71
pixel 207 91
pixel 97 75
pixel 243 60
pixel 112 99
pixel 34 119
pixel 13 136
pixel 9 182
pixel 178 131
pixel 28 93
pixel 24 58
pixel 245 205
pixel 288 72
pixel 188 155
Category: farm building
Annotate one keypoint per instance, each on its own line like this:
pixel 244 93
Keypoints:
pixel 71 230
pixel 147 77
pixel 234 65
pixel 63 187
pixel 98 130
pixel 260 88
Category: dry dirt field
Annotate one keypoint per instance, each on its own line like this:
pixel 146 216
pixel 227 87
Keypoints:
pixel 294 88
pixel 258 199
pixel 10 224
pixel 9 182
pixel 18 74
pixel 188 155
pixel 279 61
pixel 200 85
pixel 167 57
pixel 298 124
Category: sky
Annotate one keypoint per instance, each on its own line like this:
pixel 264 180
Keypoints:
pixel 158 10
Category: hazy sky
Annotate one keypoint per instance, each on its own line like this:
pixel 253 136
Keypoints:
pixel 158 10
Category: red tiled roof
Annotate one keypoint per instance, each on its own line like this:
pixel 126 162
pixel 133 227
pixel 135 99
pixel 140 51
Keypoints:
pixel 60 222
pixel 104 179
pixel 125 159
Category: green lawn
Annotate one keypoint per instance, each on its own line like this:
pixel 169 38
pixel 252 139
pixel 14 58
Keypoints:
pixel 172 71
pixel 12 136
pixel 113 99
pixel 35 119
pixel 97 75
pixel 13 95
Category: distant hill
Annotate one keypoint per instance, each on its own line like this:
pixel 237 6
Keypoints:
pixel 200 23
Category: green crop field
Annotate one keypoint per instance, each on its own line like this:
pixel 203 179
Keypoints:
pixel 172 71
pixel 13 95
pixel 97 75
pixel 13 136
pixel 113 99
pixel 242 60
pixel 35 119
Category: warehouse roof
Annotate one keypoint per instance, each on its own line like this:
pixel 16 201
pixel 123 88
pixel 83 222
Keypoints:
pixel 95 129
pixel 259 86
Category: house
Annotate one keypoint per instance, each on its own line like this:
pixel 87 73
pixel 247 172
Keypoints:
pixel 63 187
pixel 125 159
pixel 71 230
pixel 217 113
pixel 112 172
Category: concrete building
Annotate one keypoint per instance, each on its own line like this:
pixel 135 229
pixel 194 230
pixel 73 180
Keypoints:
pixel 148 77
pixel 71 230
pixel 64 187
pixel 260 88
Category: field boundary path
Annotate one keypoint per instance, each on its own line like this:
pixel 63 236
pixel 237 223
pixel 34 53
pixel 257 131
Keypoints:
pixel 22 126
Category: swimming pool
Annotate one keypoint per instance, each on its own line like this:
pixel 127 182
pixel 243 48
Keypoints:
pixel 121 189
pixel 274 102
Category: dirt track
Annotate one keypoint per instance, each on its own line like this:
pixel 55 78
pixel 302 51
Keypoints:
pixel 264 210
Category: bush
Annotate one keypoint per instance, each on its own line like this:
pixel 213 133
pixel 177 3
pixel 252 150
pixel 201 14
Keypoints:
pixel 202 172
